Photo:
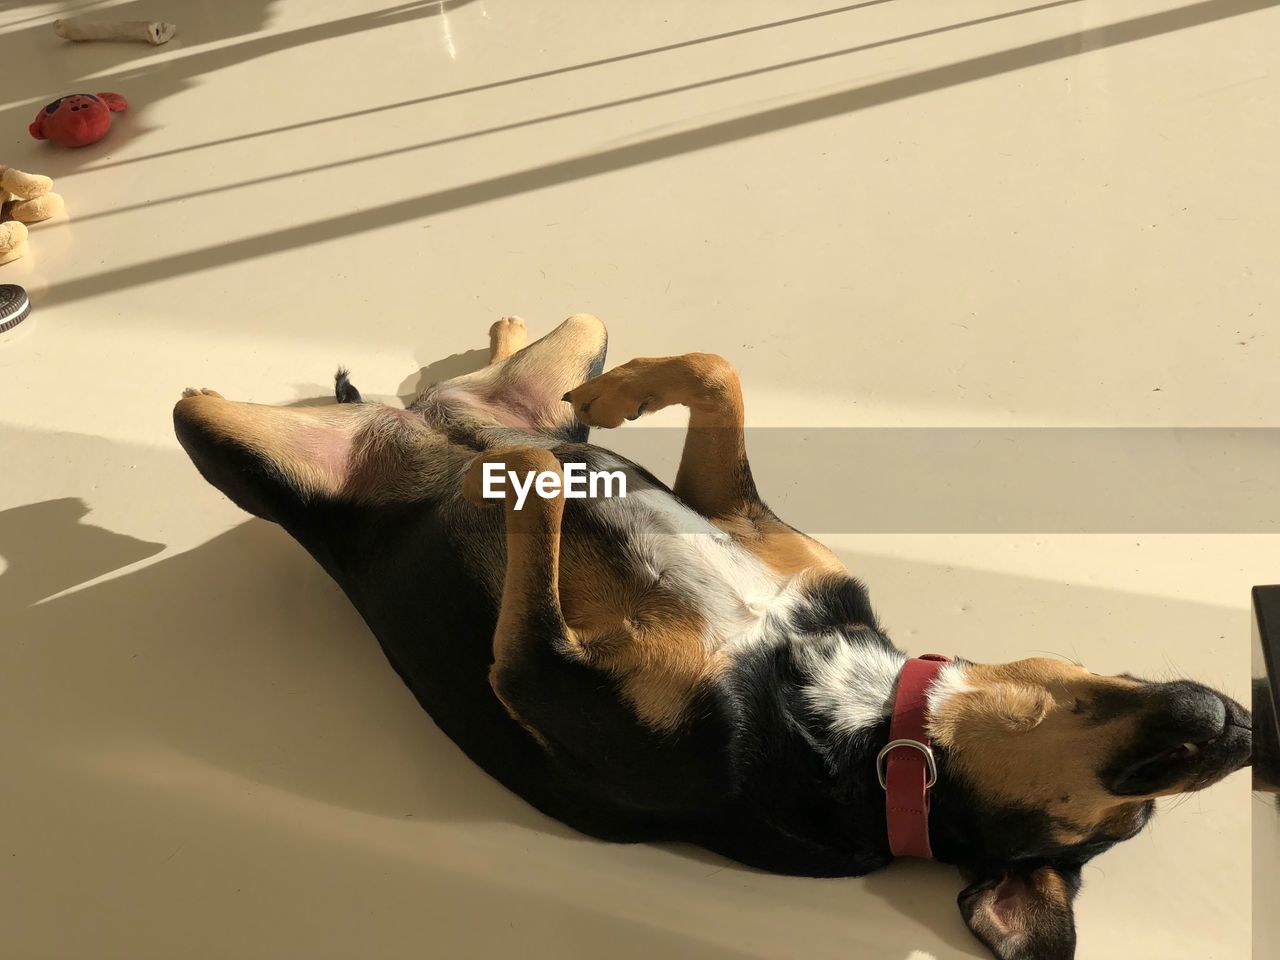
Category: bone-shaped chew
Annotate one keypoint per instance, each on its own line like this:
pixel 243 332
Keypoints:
pixel 13 241
pixel 26 197
pixel 25 185
pixel 154 32
pixel 32 211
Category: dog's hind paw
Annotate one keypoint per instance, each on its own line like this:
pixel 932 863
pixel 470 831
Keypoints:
pixel 506 337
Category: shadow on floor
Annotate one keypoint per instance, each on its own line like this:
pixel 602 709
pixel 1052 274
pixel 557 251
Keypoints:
pixel 524 122
pixel 150 76
pixel 321 395
pixel 243 655
pixel 654 149
pixel 47 548
pixel 66 68
pixel 504 82
pixel 241 652
pixel 453 366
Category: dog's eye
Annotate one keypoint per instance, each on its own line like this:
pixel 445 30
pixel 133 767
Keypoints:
pixel 1079 705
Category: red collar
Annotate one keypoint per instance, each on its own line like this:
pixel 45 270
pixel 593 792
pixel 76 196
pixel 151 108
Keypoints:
pixel 905 766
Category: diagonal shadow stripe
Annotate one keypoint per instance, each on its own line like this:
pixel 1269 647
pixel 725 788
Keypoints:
pixel 657 148
pixel 498 84
pixel 576 112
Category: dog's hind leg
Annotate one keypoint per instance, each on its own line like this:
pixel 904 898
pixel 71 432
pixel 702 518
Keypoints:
pixel 714 476
pixel 532 640
pixel 523 386
pixel 506 337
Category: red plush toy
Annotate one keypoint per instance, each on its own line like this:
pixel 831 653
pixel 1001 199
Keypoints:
pixel 77 120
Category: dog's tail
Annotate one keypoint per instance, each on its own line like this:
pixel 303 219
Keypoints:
pixel 343 389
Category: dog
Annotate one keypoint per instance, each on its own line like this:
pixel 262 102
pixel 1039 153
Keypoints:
pixel 678 663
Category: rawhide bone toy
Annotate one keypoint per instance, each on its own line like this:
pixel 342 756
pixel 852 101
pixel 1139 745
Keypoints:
pixel 79 29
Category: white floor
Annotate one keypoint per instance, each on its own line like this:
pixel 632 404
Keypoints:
pixel 887 213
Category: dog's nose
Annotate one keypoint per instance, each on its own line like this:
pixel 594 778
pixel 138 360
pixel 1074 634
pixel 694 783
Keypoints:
pixel 1188 710
pixel 1188 737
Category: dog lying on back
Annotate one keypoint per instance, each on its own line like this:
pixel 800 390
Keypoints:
pixel 678 663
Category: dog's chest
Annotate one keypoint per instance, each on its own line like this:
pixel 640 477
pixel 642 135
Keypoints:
pixel 664 600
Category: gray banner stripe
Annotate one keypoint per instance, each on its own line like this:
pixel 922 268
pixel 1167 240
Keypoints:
pixel 998 480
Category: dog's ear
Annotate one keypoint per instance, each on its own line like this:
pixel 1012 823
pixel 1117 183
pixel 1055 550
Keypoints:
pixel 1023 913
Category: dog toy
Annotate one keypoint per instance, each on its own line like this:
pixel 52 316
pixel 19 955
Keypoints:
pixel 78 119
pixel 13 241
pixel 14 306
pixel 154 32
pixel 24 198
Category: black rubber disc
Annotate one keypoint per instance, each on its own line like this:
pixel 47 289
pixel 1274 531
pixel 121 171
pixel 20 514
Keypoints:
pixel 14 306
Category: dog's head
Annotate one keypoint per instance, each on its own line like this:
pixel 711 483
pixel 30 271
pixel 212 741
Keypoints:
pixel 1047 765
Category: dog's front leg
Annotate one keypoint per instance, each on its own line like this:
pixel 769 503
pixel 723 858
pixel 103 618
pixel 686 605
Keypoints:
pixel 714 476
pixel 531 640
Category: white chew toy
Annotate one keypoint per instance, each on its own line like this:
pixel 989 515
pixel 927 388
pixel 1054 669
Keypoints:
pixel 154 32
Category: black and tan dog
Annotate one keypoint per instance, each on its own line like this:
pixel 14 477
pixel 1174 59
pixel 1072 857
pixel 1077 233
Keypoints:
pixel 679 663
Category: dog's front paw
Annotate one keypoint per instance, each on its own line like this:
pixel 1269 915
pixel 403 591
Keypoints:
pixel 624 393
pixel 202 392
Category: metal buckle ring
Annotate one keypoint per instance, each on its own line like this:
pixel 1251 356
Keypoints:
pixel 882 761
